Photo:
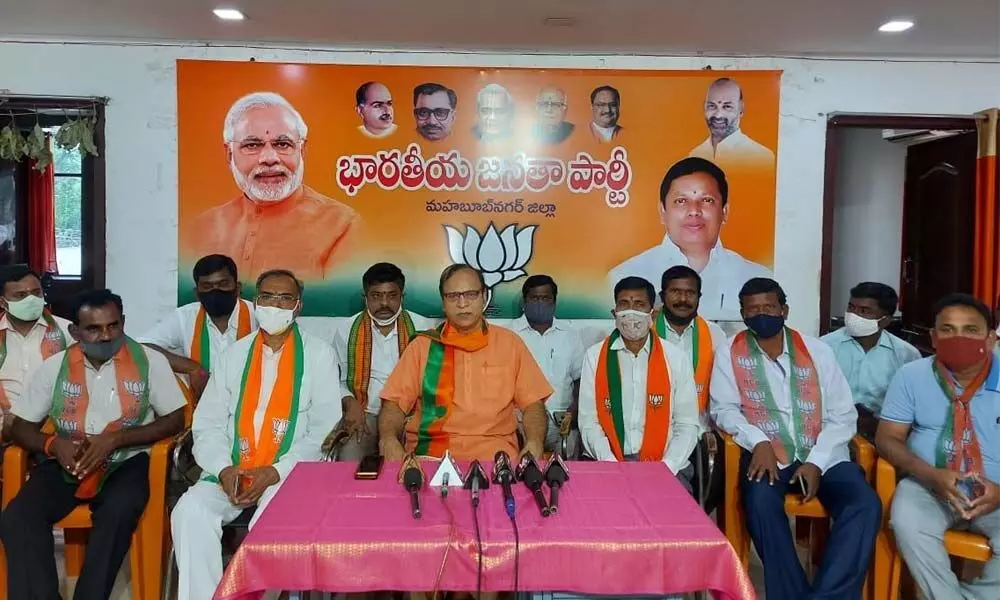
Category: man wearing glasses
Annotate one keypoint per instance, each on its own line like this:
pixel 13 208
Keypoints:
pixel 552 126
pixel 276 221
pixel 271 401
pixel 434 108
pixel 368 350
pixel 460 383
pixel 606 107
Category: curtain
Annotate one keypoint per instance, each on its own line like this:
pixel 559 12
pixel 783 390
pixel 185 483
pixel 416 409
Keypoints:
pixel 42 219
pixel 986 261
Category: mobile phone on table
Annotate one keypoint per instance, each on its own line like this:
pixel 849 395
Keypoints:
pixel 369 467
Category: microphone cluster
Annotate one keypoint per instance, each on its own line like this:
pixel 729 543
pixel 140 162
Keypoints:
pixel 555 476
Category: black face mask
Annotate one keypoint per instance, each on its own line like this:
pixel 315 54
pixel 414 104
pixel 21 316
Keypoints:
pixel 218 303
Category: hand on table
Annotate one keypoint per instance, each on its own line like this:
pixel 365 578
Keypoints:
pixel 392 450
pixel 534 448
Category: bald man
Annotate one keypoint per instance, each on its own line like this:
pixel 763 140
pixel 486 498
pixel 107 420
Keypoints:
pixel 552 127
pixel 726 145
pixel 495 113
pixel 374 106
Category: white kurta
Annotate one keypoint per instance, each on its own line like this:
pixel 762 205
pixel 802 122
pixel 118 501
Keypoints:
pixel 24 355
pixel 176 332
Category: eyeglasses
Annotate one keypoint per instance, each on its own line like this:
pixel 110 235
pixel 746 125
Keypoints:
pixel 280 300
pixel 425 113
pixel 253 146
pixel 605 105
pixel 468 296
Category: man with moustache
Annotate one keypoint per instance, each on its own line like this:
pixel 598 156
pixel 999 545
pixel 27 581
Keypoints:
pixel 495 114
pixel 434 109
pixel 552 127
pixel 276 221
pixel 694 204
pixel 726 145
pixel 369 350
pixel 374 106
pixel 606 107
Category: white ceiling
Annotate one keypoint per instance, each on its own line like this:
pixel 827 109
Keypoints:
pixel 944 28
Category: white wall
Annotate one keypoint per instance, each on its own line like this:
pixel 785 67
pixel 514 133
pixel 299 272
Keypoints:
pixel 142 136
pixel 868 215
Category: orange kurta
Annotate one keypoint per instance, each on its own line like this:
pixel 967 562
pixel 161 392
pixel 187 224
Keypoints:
pixel 307 233
pixel 489 384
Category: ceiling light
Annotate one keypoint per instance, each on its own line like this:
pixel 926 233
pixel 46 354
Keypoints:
pixel 559 22
pixel 229 14
pixel 895 26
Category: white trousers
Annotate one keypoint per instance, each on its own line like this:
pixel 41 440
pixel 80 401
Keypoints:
pixel 196 526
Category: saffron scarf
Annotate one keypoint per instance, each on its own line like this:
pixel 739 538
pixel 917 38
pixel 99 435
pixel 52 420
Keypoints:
pixel 201 348
pixel 359 352
pixel 53 342
pixel 759 406
pixel 608 396
pixel 958 445
pixel 70 399
pixel 438 388
pixel 702 355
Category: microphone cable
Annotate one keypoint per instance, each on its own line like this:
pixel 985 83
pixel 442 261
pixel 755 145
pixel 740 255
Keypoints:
pixel 452 538
pixel 517 553
pixel 479 546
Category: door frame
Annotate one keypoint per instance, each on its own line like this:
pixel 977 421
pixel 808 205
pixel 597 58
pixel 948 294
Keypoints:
pixel 835 123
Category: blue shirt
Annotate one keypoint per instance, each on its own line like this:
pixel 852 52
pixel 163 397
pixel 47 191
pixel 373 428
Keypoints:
pixel 915 398
pixel 869 373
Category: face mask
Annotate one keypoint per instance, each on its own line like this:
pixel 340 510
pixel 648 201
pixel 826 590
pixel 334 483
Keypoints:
pixel 536 311
pixel 386 322
pixel 765 326
pixel 102 351
pixel 274 320
pixel 959 353
pixel 26 309
pixel 633 324
pixel 218 303
pixel 858 326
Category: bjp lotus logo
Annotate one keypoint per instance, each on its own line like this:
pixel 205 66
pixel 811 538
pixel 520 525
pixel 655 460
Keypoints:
pixel 500 256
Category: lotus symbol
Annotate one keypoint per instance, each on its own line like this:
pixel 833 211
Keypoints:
pixel 500 256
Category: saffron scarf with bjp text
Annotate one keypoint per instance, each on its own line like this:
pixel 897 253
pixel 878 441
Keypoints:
pixel 53 342
pixel 70 399
pixel 201 348
pixel 608 396
pixel 757 399
pixel 958 445
pixel 702 355
pixel 359 352
pixel 438 389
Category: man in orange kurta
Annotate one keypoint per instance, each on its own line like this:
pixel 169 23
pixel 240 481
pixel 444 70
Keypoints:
pixel 460 384
pixel 277 222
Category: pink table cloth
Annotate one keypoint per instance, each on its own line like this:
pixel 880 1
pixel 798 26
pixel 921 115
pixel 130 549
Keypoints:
pixel 623 529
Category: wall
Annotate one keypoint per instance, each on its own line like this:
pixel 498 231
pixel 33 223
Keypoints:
pixel 142 140
pixel 868 216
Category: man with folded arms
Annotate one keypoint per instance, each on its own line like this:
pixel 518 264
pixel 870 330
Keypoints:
pixel 461 382
pixel 274 396
pixel 783 398
pixel 939 427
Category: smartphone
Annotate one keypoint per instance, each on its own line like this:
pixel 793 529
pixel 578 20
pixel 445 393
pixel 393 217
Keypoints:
pixel 241 483
pixel 369 467
pixel 971 487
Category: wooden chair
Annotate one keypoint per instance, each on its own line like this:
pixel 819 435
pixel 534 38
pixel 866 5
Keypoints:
pixel 888 564
pixel 734 524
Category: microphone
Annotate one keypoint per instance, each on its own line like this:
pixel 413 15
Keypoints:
pixel 504 476
pixel 412 478
pixel 556 474
pixel 529 473
pixel 476 480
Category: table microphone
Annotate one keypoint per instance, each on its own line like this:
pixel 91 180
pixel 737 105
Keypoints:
pixel 504 476
pixel 412 477
pixel 556 474
pixel 476 480
pixel 529 473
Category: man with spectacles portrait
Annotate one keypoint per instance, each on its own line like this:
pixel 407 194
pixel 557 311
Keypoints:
pixel 434 107
pixel 460 383
pixel 606 108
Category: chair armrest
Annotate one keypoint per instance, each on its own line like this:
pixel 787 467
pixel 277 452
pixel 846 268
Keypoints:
pixel 160 456
pixel 15 472
pixel 885 483
pixel 865 456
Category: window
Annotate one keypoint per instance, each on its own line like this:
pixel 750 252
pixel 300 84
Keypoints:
pixel 68 168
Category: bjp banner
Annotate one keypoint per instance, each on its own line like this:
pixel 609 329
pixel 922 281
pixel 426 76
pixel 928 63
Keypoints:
pixel 589 176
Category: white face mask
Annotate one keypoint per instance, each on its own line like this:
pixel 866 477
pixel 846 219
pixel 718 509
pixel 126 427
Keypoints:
pixel 28 308
pixel 274 320
pixel 633 324
pixel 386 322
pixel 858 326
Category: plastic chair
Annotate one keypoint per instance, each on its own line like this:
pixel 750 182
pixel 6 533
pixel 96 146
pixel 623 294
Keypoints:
pixel 734 524
pixel 888 564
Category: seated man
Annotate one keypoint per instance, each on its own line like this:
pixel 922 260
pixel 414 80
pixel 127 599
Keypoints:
pixel 98 453
pixel 274 396
pixel 868 354
pixel 939 428
pixel 478 375
pixel 558 350
pixel 196 333
pixel 28 335
pixel 369 350
pixel 783 398
pixel 637 393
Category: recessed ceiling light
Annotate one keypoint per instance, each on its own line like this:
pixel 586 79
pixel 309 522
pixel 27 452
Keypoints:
pixel 559 22
pixel 895 26
pixel 229 14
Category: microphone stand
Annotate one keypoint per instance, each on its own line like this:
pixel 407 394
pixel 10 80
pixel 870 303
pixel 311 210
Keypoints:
pixel 476 480
pixel 556 474
pixel 529 473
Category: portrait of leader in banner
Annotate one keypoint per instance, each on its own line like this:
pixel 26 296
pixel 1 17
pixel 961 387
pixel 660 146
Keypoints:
pixel 693 206
pixel 374 105
pixel 494 113
pixel 275 221
pixel 606 108
pixel 434 109
pixel 727 145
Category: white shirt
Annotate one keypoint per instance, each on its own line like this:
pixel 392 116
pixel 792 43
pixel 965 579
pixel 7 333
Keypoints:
pixel 385 355
pixel 683 342
pixel 603 133
pixel 176 332
pixel 736 149
pixel 839 415
pixel 24 354
pixel 721 279
pixel 378 135
pixel 319 404
pixel 559 352
pixel 683 429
